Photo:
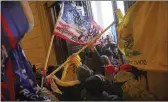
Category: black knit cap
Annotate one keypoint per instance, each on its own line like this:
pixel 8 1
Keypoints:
pixel 83 72
pixel 94 84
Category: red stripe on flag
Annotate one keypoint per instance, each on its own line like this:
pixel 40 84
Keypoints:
pixel 68 26
pixel 10 75
pixel 62 24
pixel 66 38
pixel 67 31
pixel 8 31
pixel 10 81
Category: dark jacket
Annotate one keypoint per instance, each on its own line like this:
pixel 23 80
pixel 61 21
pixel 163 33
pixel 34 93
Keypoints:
pixel 94 90
pixel 95 63
pixel 104 96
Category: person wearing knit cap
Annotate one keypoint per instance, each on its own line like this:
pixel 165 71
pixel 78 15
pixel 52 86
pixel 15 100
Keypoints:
pixel 94 90
pixel 83 72
pixel 84 75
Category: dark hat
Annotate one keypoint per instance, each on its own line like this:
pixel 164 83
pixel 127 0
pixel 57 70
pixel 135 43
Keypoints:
pixel 94 84
pixel 83 72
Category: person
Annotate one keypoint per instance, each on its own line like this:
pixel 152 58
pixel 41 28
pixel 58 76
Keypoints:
pixel 99 48
pixel 110 70
pixel 83 73
pixel 139 74
pixel 95 63
pixel 73 93
pixel 112 56
pixel 50 69
pixel 107 57
pixel 108 39
pixel 70 93
pixel 132 89
pixel 94 90
pixel 130 68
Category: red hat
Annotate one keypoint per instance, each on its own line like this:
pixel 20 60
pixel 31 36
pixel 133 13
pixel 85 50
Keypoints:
pixel 110 69
pixel 126 67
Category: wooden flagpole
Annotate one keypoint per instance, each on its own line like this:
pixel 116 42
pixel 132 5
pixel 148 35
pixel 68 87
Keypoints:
pixel 49 49
pixel 47 58
pixel 84 47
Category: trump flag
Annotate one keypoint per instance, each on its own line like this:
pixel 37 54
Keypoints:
pixel 18 81
pixel 74 27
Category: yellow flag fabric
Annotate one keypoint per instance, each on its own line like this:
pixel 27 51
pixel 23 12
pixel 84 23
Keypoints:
pixel 69 73
pixel 143 35
pixel 120 15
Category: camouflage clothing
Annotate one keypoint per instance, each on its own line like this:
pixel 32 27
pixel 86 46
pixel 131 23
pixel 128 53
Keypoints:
pixel 132 90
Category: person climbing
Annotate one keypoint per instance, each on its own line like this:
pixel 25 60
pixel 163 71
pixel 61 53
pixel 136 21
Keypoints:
pixel 132 88
pixel 83 73
pixel 95 63
pixel 94 90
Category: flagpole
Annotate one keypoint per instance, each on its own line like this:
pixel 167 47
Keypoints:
pixel 47 58
pixel 84 47
pixel 49 50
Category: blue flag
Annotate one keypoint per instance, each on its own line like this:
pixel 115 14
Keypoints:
pixel 14 23
pixel 17 79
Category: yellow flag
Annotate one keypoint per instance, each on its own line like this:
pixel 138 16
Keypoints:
pixel 143 35
pixel 120 15
pixel 69 73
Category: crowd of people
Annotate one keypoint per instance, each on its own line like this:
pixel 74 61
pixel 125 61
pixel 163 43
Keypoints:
pixel 103 74
pixel 98 76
